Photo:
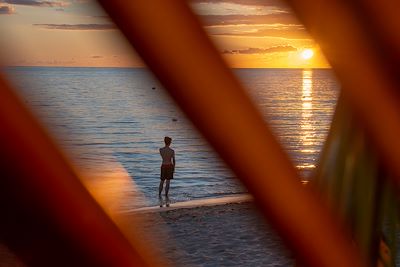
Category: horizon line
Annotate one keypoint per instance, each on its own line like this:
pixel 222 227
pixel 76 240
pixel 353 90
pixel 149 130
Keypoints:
pixel 144 67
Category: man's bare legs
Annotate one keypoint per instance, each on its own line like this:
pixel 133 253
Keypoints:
pixel 166 193
pixel 160 188
pixel 160 200
pixel 167 188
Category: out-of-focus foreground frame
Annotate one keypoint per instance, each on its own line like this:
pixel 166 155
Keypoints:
pixel 50 217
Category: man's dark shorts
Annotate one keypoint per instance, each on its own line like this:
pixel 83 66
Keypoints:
pixel 167 172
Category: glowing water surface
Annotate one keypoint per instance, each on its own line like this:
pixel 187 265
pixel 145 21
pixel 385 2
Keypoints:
pixel 109 117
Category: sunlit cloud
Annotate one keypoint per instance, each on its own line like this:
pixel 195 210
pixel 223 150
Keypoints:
pixel 273 3
pixel 77 27
pixel 274 49
pixel 50 62
pixel 36 3
pixel 281 18
pixel 6 10
pixel 278 33
pixel 223 8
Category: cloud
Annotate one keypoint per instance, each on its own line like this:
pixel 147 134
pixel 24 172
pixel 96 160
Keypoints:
pixel 287 33
pixel 6 10
pixel 96 56
pixel 36 3
pixel 77 27
pixel 273 49
pixel 238 8
pixel 54 62
pixel 101 17
pixel 280 25
pixel 276 18
pixel 275 3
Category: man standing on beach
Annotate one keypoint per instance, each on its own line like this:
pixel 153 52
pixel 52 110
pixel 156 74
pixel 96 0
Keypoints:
pixel 167 166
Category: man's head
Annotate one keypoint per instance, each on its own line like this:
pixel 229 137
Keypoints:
pixel 167 140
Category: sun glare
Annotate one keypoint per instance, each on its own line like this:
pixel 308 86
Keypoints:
pixel 307 54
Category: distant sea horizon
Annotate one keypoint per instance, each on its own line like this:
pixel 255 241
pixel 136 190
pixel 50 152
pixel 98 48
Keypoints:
pixel 109 116
pixel 144 67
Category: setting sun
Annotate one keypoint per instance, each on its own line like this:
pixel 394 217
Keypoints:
pixel 307 53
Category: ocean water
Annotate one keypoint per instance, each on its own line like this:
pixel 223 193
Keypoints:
pixel 112 120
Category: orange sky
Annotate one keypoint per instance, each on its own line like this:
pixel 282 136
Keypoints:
pixel 249 34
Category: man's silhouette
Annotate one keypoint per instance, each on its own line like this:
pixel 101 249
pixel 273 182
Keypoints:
pixel 167 166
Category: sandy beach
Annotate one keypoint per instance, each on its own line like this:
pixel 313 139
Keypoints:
pixel 225 231
pixel 227 234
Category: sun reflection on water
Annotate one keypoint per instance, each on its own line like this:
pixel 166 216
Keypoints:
pixel 308 130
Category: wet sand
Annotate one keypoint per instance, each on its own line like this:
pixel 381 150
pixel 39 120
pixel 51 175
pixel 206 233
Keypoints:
pixel 229 234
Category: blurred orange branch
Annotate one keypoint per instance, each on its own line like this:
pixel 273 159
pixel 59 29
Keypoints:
pixel 48 217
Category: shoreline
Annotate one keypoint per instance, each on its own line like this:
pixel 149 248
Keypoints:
pixel 195 203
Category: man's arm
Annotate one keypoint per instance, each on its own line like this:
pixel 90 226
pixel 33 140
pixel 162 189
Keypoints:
pixel 173 159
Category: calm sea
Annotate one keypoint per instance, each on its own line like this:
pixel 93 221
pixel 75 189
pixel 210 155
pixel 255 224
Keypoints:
pixel 112 119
